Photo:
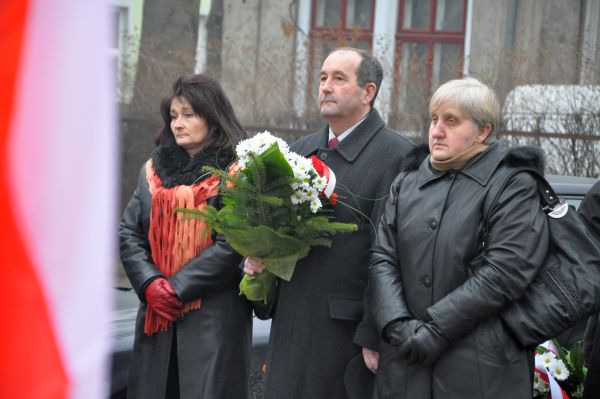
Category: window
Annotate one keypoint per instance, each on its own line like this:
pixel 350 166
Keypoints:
pixel 123 51
pixel 337 23
pixel 429 51
pixel 118 46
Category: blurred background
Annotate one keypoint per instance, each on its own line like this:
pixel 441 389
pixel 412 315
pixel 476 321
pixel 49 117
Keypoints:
pixel 541 56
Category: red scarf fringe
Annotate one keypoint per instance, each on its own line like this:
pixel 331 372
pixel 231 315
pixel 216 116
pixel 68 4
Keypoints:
pixel 173 240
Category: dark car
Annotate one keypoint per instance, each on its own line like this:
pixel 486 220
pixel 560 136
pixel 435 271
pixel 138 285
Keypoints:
pixel 570 189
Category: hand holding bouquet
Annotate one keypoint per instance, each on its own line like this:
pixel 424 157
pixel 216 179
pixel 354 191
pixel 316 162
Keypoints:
pixel 272 209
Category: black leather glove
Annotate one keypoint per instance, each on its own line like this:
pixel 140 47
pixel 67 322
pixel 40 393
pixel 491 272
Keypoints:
pixel 425 344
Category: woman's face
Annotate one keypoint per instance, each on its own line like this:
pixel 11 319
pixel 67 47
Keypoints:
pixel 188 128
pixel 451 133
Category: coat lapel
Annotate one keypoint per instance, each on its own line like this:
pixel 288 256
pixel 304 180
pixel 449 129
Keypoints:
pixel 314 142
pixel 351 147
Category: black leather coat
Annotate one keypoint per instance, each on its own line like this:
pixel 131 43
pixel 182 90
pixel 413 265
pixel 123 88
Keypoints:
pixel 213 342
pixel 429 233
pixel 590 212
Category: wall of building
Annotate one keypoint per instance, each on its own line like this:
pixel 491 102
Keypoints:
pixel 547 42
pixel 258 59
pixel 491 42
pixel 523 42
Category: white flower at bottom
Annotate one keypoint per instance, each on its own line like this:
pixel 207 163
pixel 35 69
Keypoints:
pixel 559 370
pixel 315 205
pixel 539 385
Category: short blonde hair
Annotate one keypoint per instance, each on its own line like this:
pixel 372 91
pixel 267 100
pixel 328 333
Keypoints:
pixel 474 99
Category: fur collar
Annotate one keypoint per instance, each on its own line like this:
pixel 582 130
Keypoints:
pixel 175 167
pixel 525 156
pixel 414 158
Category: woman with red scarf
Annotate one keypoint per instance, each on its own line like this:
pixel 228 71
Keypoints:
pixel 193 330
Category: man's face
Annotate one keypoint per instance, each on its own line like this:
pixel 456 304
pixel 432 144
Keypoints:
pixel 339 93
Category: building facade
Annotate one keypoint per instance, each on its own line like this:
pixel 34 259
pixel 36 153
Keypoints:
pixel 267 53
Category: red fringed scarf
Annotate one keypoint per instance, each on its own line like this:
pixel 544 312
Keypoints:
pixel 173 240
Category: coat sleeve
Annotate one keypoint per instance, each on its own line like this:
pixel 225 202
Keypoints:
pixel 215 269
pixel 367 334
pixel 133 240
pixel 386 293
pixel 517 247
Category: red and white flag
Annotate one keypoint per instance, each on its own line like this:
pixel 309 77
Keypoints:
pixel 57 198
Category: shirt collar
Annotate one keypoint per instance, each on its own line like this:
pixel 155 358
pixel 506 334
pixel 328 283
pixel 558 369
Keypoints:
pixel 346 132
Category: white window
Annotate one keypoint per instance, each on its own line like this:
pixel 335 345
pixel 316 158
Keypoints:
pixel 118 48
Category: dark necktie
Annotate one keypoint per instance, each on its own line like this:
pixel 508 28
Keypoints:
pixel 333 142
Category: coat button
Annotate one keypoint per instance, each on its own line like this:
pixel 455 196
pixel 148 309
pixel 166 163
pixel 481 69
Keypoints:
pixel 323 156
pixel 433 225
pixel 426 281
pixel 450 175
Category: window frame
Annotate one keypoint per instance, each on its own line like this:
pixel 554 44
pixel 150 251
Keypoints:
pixel 340 33
pixel 430 37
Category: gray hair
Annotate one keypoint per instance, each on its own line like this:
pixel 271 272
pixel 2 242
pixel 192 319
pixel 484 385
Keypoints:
pixel 474 99
pixel 369 69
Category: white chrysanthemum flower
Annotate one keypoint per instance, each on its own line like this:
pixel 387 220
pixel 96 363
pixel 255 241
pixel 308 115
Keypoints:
pixel 306 180
pixel 315 205
pixel 319 183
pixel 303 179
pixel 559 370
pixel 301 168
pixel 312 194
pixel 546 359
pixel 296 186
pixel 298 197
pixel 303 165
pixel 539 385
pixel 257 144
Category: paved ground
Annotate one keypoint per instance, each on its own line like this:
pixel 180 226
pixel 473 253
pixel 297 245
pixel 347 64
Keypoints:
pixel 120 279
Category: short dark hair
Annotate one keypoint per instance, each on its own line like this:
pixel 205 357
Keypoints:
pixel 208 100
pixel 369 69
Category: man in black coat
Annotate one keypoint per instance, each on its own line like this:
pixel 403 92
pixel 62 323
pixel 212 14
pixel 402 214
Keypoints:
pixel 590 211
pixel 316 314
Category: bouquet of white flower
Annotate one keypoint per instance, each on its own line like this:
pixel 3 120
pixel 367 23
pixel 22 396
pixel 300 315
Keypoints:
pixel 558 372
pixel 273 209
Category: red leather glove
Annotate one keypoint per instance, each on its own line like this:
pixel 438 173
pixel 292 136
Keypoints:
pixel 162 298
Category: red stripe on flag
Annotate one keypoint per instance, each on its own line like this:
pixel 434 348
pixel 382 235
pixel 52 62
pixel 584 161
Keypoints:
pixel 30 360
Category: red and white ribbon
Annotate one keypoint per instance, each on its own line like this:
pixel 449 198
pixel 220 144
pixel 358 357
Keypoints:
pixel 556 392
pixel 327 173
